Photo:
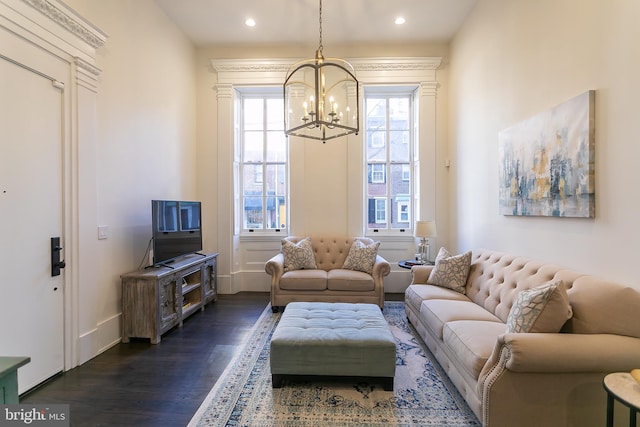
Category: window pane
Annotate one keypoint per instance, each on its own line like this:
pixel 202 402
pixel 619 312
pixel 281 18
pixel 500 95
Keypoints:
pixel 378 173
pixel 276 189
pixel 252 216
pixel 399 113
pixel 399 185
pixel 376 147
pixel 406 172
pixel 274 181
pixel 276 146
pixel 253 146
pixel 377 179
pixel 376 113
pixel 253 114
pixel 252 200
pixel 399 146
pixel 252 179
pixel 403 212
pixel 400 189
pixel 381 212
pixel 275 114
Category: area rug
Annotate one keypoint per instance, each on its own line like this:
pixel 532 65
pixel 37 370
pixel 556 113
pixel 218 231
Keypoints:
pixel 422 396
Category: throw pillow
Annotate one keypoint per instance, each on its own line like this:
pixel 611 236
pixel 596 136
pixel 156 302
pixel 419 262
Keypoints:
pixel 451 271
pixel 542 309
pixel 298 256
pixel 361 256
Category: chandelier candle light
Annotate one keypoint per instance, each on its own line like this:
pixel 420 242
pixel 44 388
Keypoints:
pixel 424 230
pixel 321 97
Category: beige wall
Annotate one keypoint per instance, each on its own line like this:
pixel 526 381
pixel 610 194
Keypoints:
pixel 514 59
pixel 146 148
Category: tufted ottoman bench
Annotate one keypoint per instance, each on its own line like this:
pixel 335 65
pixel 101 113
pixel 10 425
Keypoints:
pixel 333 339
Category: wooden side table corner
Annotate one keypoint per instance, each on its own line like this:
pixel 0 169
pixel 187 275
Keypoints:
pixel 9 378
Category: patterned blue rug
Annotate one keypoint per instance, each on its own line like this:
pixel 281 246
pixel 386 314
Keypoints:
pixel 422 396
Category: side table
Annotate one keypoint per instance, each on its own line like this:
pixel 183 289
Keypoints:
pixel 622 387
pixel 9 378
pixel 408 263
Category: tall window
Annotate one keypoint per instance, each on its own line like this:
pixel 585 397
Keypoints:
pixel 263 173
pixel 389 135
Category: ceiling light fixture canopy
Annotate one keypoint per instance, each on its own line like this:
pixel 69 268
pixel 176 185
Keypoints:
pixel 321 97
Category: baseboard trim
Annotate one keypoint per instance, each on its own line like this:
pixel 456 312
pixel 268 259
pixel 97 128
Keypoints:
pixel 105 335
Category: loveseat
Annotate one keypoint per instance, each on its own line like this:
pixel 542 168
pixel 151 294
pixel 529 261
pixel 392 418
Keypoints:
pixel 511 377
pixel 327 269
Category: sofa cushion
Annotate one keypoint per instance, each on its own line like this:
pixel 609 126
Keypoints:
pixel 471 342
pixel 544 308
pixel 304 280
pixel 415 294
pixel 451 271
pixel 298 256
pixel 438 312
pixel 349 280
pixel 361 256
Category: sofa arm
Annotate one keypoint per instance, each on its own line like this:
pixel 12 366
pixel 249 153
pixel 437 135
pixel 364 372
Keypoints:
pixel 570 352
pixel 275 267
pixel 420 274
pixel 551 379
pixel 559 353
pixel 380 268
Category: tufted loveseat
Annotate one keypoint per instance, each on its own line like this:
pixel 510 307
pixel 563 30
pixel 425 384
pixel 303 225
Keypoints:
pixel 527 378
pixel 329 281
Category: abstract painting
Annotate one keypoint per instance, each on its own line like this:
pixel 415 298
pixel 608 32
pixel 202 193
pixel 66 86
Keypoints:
pixel 546 163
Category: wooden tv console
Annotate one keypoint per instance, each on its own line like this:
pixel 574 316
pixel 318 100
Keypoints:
pixel 156 299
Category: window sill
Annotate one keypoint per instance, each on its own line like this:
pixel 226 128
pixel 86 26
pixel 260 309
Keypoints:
pixel 273 236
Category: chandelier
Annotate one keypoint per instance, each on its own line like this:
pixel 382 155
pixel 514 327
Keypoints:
pixel 321 97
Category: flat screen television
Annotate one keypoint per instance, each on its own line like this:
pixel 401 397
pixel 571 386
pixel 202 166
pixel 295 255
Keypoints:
pixel 177 229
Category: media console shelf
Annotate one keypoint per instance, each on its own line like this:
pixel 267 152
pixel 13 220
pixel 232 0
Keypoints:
pixel 157 299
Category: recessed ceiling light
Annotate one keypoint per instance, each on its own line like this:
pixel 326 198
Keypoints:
pixel 400 20
pixel 250 23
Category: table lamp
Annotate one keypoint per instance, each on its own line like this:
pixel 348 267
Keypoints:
pixel 423 230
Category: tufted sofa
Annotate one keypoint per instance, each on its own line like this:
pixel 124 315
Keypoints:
pixel 329 282
pixel 527 379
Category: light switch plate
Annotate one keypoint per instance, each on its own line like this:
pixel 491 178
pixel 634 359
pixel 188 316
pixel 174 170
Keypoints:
pixel 103 232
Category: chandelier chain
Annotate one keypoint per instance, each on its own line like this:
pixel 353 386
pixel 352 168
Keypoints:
pixel 320 22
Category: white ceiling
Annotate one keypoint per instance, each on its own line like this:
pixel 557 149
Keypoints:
pixel 221 22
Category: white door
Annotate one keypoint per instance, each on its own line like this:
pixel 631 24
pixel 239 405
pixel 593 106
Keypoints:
pixel 31 300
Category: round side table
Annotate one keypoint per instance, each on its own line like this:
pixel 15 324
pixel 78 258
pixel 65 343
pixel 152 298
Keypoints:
pixel 410 263
pixel 622 387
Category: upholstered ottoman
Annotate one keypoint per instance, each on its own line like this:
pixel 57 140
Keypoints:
pixel 333 339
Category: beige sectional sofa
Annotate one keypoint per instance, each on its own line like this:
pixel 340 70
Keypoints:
pixel 531 378
pixel 329 281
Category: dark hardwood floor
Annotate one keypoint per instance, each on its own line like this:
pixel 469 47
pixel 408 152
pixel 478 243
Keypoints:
pixel 141 384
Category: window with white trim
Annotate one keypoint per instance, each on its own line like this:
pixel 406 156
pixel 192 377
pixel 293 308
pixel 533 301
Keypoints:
pixel 263 160
pixel 389 135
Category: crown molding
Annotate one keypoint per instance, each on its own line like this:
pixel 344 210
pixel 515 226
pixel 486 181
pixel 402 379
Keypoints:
pixel 251 65
pixel 69 20
pixel 364 64
pixel 396 64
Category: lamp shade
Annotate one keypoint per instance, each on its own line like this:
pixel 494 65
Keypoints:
pixel 425 229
